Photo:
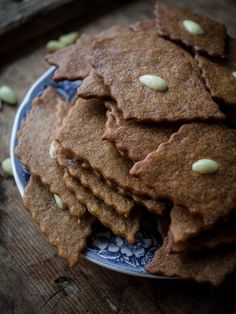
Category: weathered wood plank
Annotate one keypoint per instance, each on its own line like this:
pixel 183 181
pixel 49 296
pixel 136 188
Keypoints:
pixel 32 278
pixel 18 16
pixel 14 13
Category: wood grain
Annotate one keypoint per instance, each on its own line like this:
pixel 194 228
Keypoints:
pixel 18 16
pixel 32 278
pixel 14 13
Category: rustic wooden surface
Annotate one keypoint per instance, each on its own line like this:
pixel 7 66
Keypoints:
pixel 18 16
pixel 32 278
pixel 15 13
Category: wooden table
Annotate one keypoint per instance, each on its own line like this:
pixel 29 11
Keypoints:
pixel 32 278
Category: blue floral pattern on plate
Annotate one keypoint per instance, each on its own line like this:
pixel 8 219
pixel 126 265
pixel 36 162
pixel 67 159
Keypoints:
pixel 104 248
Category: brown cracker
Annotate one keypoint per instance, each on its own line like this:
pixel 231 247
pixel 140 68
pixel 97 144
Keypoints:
pixel 169 24
pixel 184 225
pixel 208 267
pixel 136 140
pixel 34 144
pixel 61 229
pixel 111 193
pixel 62 109
pixel 185 99
pixel 93 87
pixel 81 134
pixel 73 62
pixel 108 216
pixel 153 206
pixel 218 76
pixel 144 25
pixel 112 31
pixel 220 235
pixel 186 232
pixel 111 198
pixel 130 40
pixel 211 196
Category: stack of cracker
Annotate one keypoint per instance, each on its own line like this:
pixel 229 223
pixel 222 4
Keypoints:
pixel 152 129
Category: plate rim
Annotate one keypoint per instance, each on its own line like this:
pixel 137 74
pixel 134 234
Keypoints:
pixel 20 188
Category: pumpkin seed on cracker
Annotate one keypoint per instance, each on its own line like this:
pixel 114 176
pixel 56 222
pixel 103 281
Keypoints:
pixel 211 35
pixel 213 196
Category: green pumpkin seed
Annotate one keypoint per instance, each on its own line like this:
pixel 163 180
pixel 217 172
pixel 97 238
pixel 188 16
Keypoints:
pixel 6 167
pixel 68 39
pixel 153 82
pixel 193 27
pixel 7 95
pixel 54 45
pixel 58 201
pixel 205 166
pixel 51 150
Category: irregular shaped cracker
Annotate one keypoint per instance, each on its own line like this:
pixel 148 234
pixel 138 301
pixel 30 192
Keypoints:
pixel 170 24
pixel 185 99
pixel 73 62
pixel 134 139
pixel 157 207
pixel 121 201
pixel 218 75
pixel 108 216
pixel 81 135
pixel 219 236
pixel 186 232
pixel 210 195
pixel 184 225
pixel 123 205
pixel 61 229
pixel 93 87
pixel 107 193
pixel 140 40
pixel 130 40
pixel 34 144
pixel 208 267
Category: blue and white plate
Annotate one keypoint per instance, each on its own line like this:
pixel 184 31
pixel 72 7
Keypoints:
pixel 104 248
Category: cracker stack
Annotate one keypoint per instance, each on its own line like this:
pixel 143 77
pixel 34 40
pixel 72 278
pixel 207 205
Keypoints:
pixel 152 129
